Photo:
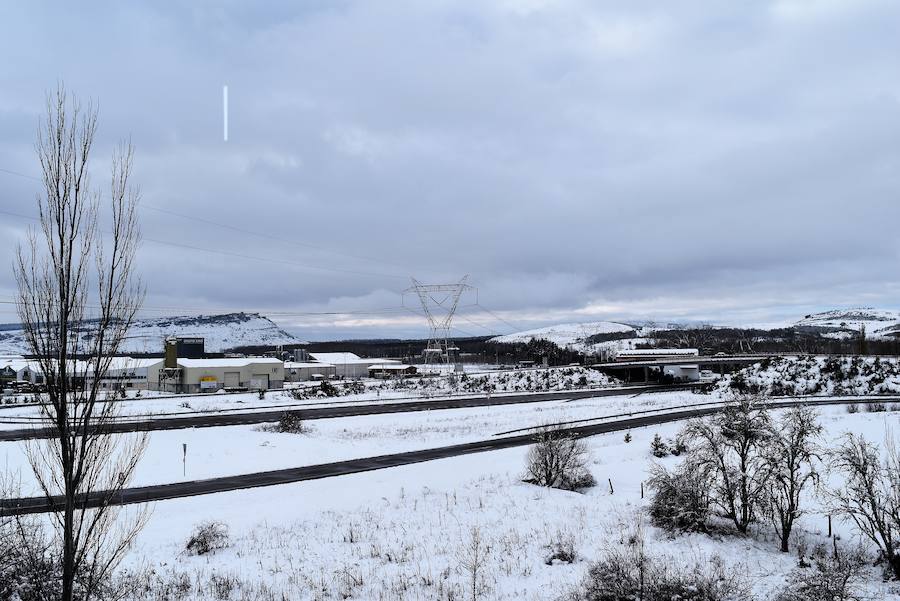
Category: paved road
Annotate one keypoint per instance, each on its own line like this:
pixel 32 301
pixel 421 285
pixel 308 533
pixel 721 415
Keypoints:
pixel 313 472
pixel 261 417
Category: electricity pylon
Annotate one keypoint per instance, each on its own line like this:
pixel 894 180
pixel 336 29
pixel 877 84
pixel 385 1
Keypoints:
pixel 439 303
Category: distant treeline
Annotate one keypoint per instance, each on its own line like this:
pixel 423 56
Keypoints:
pixel 471 350
pixel 799 340
pixel 708 340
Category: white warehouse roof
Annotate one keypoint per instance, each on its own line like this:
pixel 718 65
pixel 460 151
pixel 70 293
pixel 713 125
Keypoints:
pixel 301 365
pixel 230 362
pixel 346 358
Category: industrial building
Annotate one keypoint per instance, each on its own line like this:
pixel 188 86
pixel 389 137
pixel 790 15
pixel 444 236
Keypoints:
pixel 391 370
pixel 209 375
pixel 350 365
pixel 303 371
pixel 125 372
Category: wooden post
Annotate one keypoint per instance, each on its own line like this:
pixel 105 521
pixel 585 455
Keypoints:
pixel 829 525
pixel 642 490
pixel 611 491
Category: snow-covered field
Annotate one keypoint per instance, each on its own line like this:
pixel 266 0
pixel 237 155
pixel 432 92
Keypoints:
pixel 407 533
pixel 225 451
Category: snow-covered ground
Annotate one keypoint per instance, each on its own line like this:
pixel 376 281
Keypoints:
pixel 407 533
pixel 566 334
pixel 846 323
pixel 225 451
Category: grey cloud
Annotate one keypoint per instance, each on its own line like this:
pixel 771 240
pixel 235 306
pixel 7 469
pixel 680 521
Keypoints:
pixel 737 158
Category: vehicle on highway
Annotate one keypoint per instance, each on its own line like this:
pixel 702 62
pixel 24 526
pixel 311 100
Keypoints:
pixel 708 375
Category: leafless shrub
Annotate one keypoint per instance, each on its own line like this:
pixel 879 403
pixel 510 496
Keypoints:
pixel 876 407
pixel 833 577
pixel 472 558
pixel 680 498
pixel 207 537
pixel 852 408
pixel 558 460
pixel 561 549
pixel 222 585
pixel 630 574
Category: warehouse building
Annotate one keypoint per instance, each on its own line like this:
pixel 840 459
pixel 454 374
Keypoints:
pixel 350 365
pixel 391 370
pixel 126 372
pixel 210 375
pixel 303 371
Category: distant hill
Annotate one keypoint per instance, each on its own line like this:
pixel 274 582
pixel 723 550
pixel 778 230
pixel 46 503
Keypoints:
pixel 575 336
pixel 846 323
pixel 221 332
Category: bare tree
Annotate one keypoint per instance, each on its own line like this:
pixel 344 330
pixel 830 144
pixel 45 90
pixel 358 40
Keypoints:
pixel 870 495
pixel 731 444
pixel 790 453
pixel 472 559
pixel 77 298
pixel 559 460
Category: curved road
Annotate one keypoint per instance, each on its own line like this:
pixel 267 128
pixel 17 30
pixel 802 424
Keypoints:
pixel 161 492
pixel 262 417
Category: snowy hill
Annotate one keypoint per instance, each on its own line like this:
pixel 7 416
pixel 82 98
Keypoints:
pixel 575 336
pixel 816 375
pixel 221 332
pixel 846 323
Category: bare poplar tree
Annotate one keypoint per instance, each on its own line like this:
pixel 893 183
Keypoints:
pixel 77 298
pixel 790 453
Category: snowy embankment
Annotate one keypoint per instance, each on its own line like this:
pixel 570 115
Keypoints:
pixel 786 376
pixel 408 532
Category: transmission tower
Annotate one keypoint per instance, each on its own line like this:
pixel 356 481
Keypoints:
pixel 439 303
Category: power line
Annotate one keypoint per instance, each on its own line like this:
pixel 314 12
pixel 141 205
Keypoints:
pixel 513 326
pixel 242 256
pixel 263 235
pixel 241 230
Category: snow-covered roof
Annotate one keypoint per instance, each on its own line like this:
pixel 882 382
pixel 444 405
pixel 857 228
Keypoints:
pixel 347 359
pixel 132 363
pixel 335 357
pixel 300 365
pixel 232 362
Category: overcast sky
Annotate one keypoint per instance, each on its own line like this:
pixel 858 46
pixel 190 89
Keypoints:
pixel 729 162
